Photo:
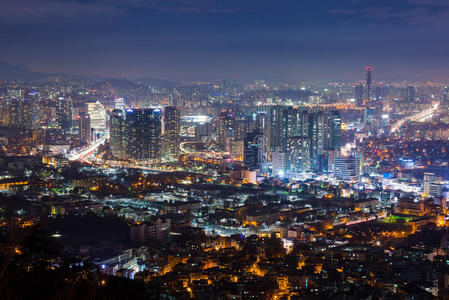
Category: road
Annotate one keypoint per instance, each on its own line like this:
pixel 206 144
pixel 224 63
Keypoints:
pixel 83 154
pixel 418 117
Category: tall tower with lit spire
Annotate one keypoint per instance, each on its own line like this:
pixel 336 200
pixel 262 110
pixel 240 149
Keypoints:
pixel 369 81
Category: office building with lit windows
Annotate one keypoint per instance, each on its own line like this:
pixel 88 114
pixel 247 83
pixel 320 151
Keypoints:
pixel 64 111
pixel 172 131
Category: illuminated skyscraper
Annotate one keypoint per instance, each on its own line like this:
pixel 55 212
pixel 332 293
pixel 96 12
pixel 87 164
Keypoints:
pixel 117 134
pixel 411 94
pixel 83 121
pixel 369 81
pixel 225 130
pixel 237 143
pixel 359 94
pixel 23 112
pixel 279 127
pixel 298 154
pixel 241 129
pixel 293 123
pixel 98 116
pixel 278 163
pixel 445 98
pixel 285 122
pixel 4 113
pixel 143 134
pixel 253 152
pixel 119 103
pixel 15 107
pixel 260 122
pixel 3 88
pixel 28 113
pixel 172 130
pixel 324 134
pixel 36 109
pixel 64 114
pixel 237 149
pixel 335 121
pixel 381 95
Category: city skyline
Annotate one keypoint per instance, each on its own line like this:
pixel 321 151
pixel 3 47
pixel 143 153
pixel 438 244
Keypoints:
pixel 224 149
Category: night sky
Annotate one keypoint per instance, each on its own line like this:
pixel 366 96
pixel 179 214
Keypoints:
pixel 188 40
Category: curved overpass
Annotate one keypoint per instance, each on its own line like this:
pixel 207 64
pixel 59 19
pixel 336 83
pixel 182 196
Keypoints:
pixel 185 150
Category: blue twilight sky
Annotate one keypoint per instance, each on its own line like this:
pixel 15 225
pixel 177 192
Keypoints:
pixel 189 40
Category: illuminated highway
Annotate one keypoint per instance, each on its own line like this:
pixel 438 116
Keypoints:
pixel 418 117
pixel 83 154
pixel 139 167
pixel 185 149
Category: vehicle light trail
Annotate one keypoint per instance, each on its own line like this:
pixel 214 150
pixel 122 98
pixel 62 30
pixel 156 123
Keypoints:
pixel 418 117
pixel 84 153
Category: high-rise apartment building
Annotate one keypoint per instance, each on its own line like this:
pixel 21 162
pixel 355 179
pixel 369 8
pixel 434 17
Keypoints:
pixel 298 154
pixel 260 122
pixel 254 155
pixel 359 94
pixel 445 98
pixel 15 112
pixel 225 130
pixel 64 114
pixel 117 134
pixel 292 128
pixel 279 127
pixel 172 131
pixel 137 135
pixel 84 132
pixel 27 118
pixel 278 163
pixel 23 113
pixel 324 134
pixel 241 129
pixel 237 149
pixel 143 134
pixel 411 94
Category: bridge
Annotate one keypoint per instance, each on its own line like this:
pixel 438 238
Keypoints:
pixel 418 117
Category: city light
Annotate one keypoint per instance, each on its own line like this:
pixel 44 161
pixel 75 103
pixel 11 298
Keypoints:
pixel 224 150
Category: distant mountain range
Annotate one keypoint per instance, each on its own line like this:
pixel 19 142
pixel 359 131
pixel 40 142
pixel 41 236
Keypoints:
pixel 162 83
pixel 18 72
